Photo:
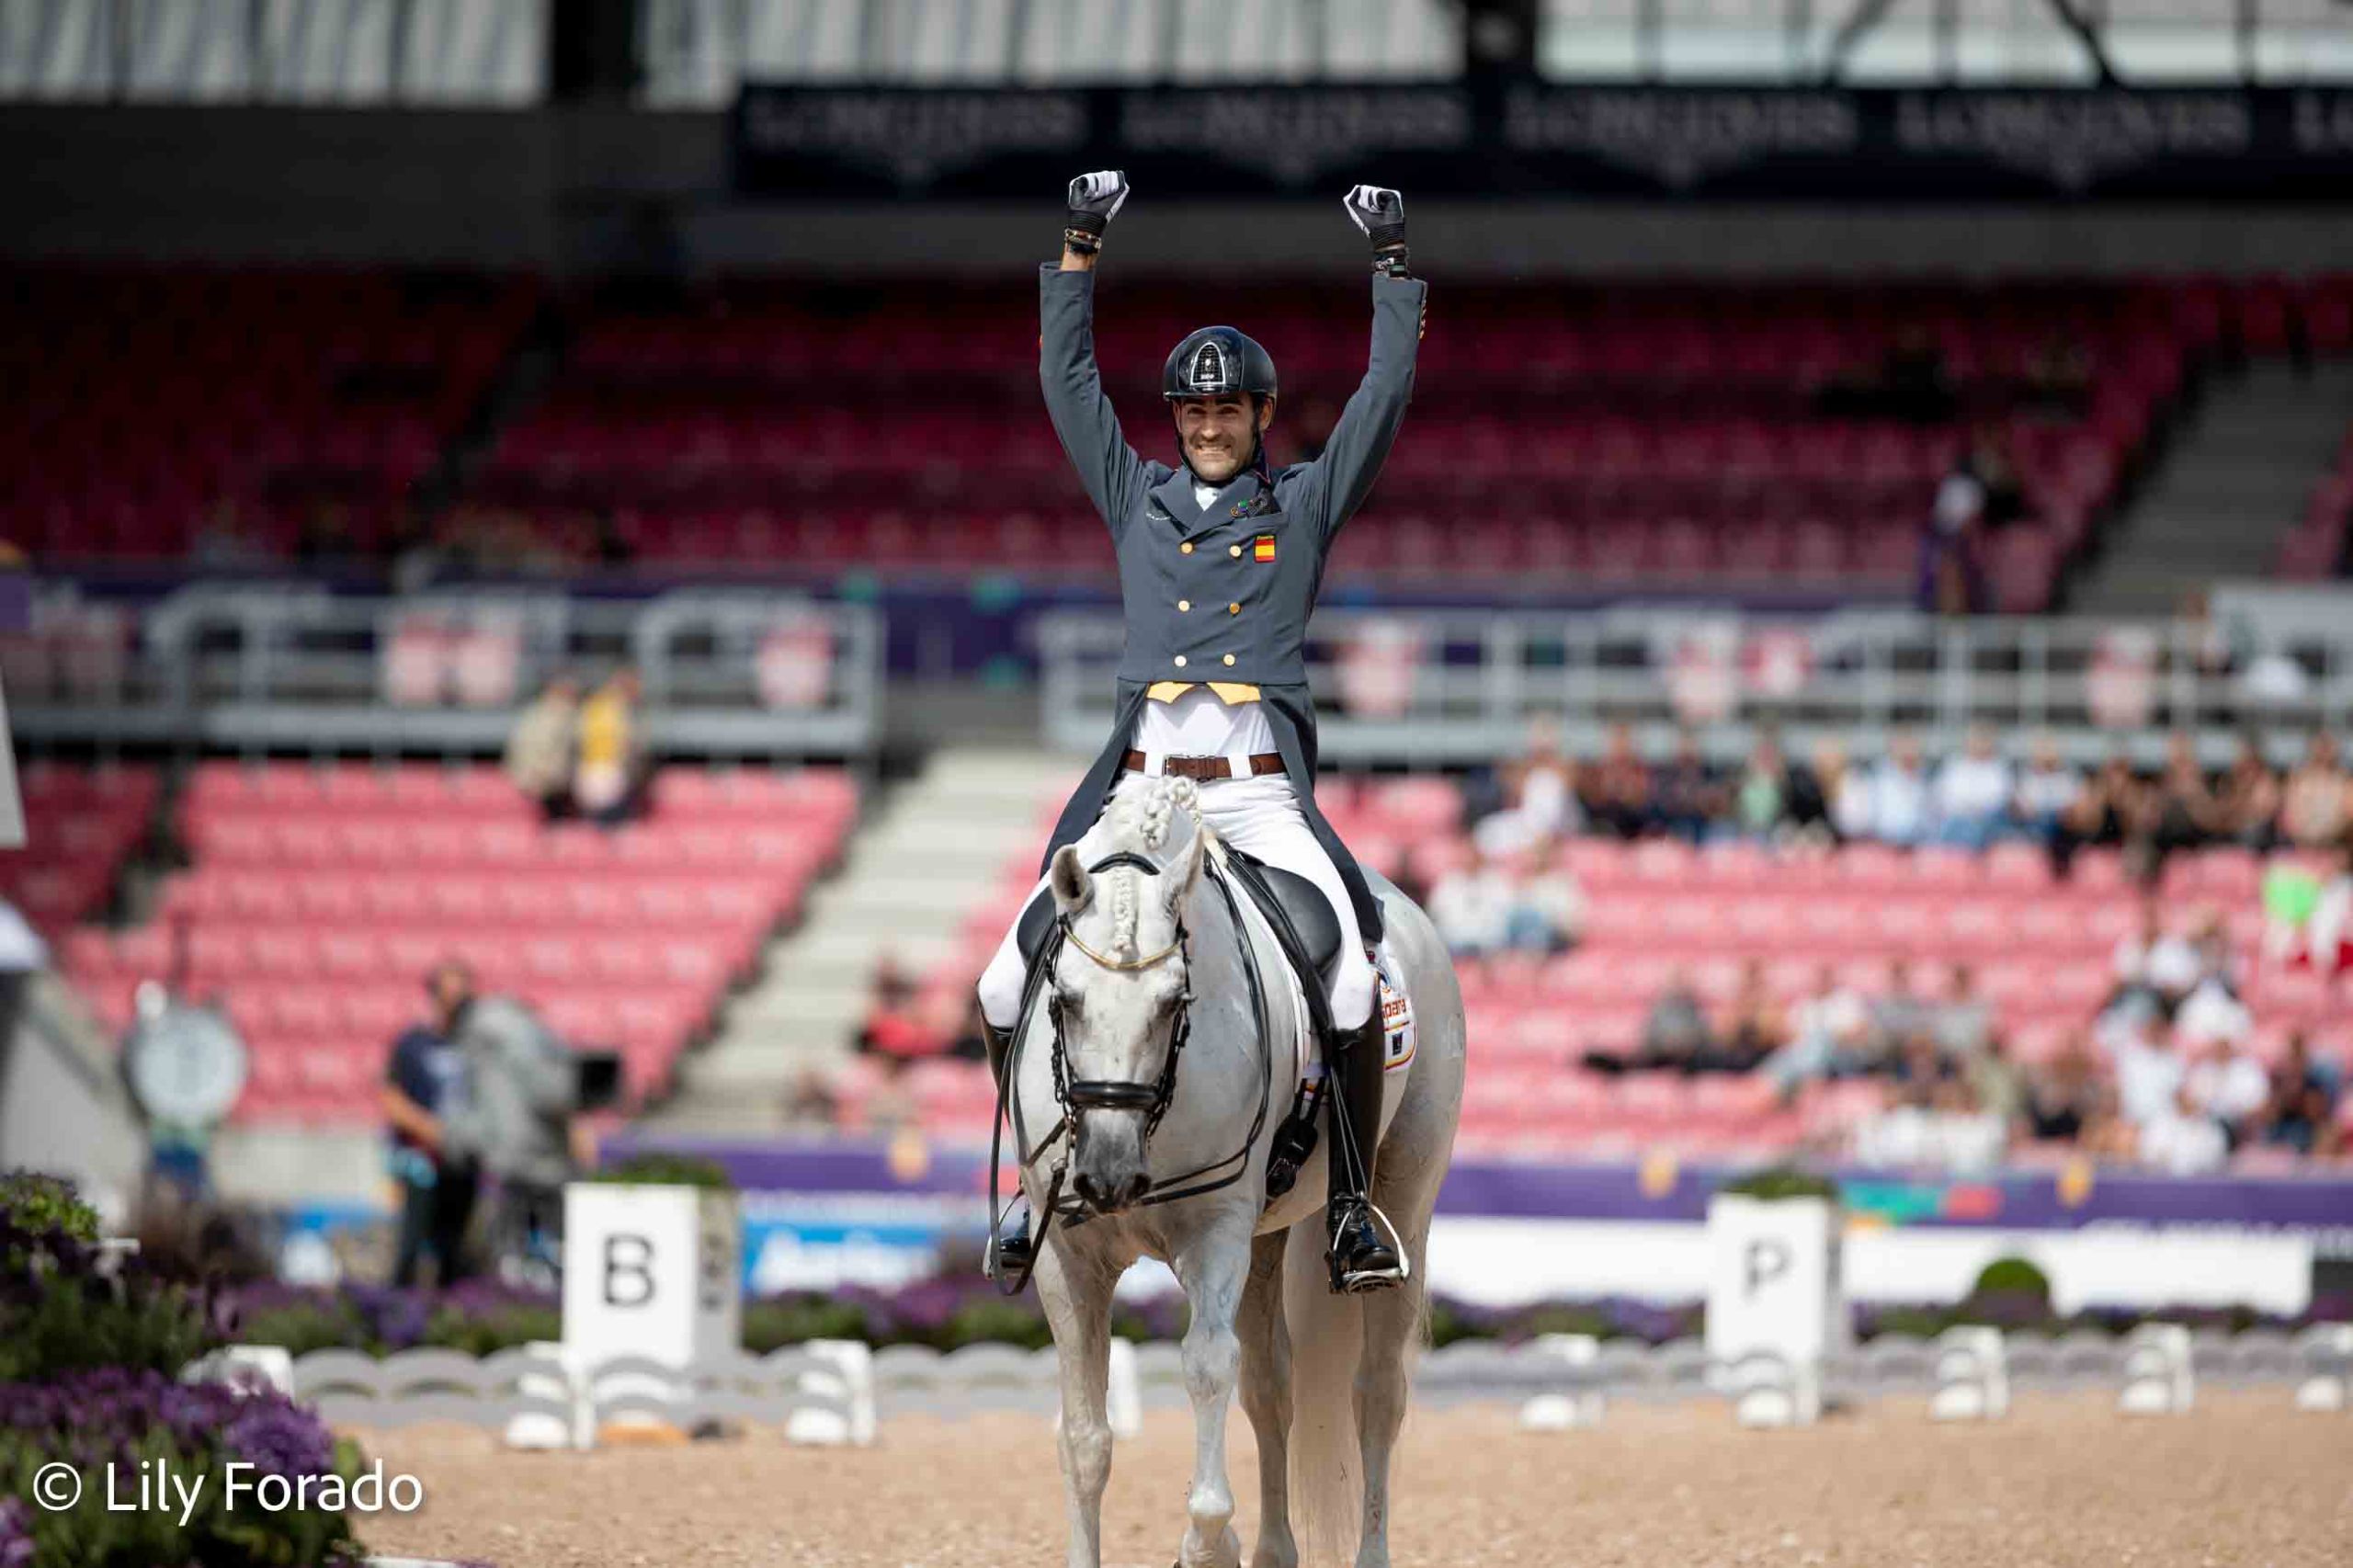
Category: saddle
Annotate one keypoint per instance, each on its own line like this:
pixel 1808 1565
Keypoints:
pixel 1292 906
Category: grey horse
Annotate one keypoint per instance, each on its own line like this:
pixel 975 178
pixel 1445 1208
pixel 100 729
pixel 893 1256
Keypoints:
pixel 1324 1378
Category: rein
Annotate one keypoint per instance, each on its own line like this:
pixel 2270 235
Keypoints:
pixel 1092 1093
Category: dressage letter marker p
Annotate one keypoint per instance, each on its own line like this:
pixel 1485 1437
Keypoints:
pixel 1763 1260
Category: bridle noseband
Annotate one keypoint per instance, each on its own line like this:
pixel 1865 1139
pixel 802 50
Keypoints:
pixel 1075 1095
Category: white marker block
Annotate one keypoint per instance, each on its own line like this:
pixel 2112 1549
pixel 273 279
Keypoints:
pixel 1774 1291
pixel 2158 1379
pixel 1579 1405
pixel 844 1376
pixel 2327 1350
pixel 1122 1394
pixel 1973 1376
pixel 544 1431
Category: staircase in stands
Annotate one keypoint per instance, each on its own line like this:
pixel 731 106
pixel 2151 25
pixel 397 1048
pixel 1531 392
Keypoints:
pixel 933 846
pixel 2235 484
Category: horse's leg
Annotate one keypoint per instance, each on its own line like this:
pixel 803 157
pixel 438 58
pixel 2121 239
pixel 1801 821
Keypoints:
pixel 1392 1318
pixel 1215 1270
pixel 1265 1398
pixel 1076 1295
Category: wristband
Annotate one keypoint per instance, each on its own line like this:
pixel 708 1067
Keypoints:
pixel 1393 263
pixel 1384 235
pixel 1082 242
pixel 1092 222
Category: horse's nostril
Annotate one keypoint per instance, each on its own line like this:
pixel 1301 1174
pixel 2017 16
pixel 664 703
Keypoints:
pixel 1134 1189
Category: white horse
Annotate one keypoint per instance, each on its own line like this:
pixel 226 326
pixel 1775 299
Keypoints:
pixel 1151 959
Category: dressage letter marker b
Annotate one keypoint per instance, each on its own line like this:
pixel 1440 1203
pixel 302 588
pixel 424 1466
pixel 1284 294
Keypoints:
pixel 629 1279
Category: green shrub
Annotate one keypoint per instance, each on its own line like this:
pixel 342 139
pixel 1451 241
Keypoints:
pixel 499 1328
pixel 657 1168
pixel 32 1201
pixel 1779 1184
pixel 299 1327
pixel 780 1321
pixel 2013 1278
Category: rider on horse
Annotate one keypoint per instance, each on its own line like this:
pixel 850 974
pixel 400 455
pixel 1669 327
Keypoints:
pixel 1220 561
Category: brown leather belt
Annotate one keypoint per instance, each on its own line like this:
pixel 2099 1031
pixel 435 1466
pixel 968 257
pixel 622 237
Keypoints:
pixel 1199 768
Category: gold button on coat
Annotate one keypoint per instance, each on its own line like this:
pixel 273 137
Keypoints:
pixel 1229 658
pixel 1184 604
pixel 1180 661
pixel 1185 548
pixel 1233 550
pixel 1234 609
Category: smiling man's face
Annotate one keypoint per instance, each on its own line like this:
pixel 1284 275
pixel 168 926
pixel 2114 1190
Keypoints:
pixel 1217 432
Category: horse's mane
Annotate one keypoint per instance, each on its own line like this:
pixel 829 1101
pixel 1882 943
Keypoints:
pixel 1146 824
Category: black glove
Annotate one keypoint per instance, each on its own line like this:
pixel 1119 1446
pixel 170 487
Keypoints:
pixel 1094 200
pixel 1379 213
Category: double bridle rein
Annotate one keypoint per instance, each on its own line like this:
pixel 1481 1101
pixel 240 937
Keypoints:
pixel 1073 1096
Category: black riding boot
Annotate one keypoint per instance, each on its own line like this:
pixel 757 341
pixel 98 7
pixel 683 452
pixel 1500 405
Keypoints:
pixel 1362 1257
pixel 1010 1250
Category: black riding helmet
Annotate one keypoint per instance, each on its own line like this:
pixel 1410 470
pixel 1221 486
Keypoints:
pixel 1218 361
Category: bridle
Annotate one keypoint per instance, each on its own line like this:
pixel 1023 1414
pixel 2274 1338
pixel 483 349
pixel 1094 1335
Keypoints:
pixel 1070 1096
pixel 1074 1095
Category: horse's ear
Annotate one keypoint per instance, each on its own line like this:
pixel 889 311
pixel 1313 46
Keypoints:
pixel 1073 887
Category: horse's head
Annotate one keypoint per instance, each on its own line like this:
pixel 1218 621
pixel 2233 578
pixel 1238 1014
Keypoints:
pixel 1119 989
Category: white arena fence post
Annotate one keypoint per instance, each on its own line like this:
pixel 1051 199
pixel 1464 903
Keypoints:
pixel 839 1379
pixel 1579 1404
pixel 2158 1378
pixel 2325 1351
pixel 1973 1376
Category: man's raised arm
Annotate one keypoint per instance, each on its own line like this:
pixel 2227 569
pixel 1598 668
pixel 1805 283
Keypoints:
pixel 1090 434
pixel 1360 443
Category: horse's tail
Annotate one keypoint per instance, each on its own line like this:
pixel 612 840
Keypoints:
pixel 1326 1344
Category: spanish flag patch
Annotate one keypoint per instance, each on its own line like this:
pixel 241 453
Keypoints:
pixel 1262 549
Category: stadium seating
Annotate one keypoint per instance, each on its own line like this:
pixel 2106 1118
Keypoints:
pixel 236 415
pixel 1663 433
pixel 2315 549
pixel 2040 952
pixel 320 897
pixel 79 825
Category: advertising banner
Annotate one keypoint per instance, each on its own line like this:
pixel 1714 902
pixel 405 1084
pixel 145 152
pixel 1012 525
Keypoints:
pixel 1532 139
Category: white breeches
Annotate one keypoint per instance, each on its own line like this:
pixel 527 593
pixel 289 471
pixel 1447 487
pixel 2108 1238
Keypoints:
pixel 1258 816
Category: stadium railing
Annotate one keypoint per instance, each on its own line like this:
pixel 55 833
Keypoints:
pixel 1458 688
pixel 725 673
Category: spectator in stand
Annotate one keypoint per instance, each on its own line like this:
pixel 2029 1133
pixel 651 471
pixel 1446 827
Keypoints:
pixel 2302 1105
pixel 2183 808
pixel 1471 905
pixel 2247 801
pixel 1684 796
pixel 893 1030
pixel 2183 1141
pixel 1829 1035
pixel 1674 1035
pixel 2162 966
pixel 2047 791
pixel 2148 1071
pixel 1547 907
pixel 610 775
pixel 1899 801
pixel 1972 792
pixel 423 1083
pixel 1616 789
pixel 1963 1024
pixel 1756 1025
pixel 540 749
pixel 1900 1019
pixel 2063 1097
pixel 1540 794
pixel 1994 1081
pixel 2316 805
pixel 2107 809
pixel 2228 1085
pixel 1981 491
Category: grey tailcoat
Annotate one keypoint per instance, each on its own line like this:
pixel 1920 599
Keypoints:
pixel 1224 596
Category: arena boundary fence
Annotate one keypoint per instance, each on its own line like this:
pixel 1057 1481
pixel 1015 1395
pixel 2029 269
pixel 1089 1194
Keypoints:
pixel 835 1392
